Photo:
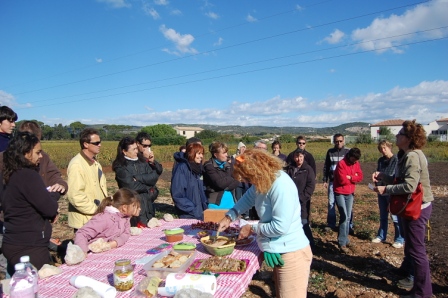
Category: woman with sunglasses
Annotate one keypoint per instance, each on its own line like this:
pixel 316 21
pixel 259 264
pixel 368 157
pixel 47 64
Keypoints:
pixel 134 172
pixel 412 168
pixel 279 232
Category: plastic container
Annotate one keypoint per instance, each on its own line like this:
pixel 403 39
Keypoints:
pixel 31 271
pixel 21 284
pixel 102 289
pixel 163 272
pixel 174 235
pixel 222 250
pixel 123 275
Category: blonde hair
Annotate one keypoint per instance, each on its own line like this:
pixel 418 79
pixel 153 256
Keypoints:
pixel 384 143
pixel 258 167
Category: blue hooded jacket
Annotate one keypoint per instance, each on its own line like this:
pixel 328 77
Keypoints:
pixel 187 190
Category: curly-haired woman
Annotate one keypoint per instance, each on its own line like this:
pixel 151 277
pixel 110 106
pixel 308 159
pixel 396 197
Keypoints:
pixel 412 168
pixel 279 232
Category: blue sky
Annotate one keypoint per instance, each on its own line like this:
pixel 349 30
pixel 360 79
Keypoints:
pixel 272 63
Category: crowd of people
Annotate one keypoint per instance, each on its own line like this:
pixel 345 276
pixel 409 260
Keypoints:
pixel 274 188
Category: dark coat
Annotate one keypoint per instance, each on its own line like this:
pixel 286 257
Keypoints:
pixel 305 181
pixel 140 177
pixel 218 180
pixel 309 158
pixel 187 190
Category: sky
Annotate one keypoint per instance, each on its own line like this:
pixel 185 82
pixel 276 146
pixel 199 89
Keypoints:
pixel 314 63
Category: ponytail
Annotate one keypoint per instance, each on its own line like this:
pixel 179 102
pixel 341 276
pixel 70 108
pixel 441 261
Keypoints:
pixel 123 196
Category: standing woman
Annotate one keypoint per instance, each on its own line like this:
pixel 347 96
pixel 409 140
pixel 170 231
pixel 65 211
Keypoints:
pixel 279 232
pixel 412 168
pixel 29 208
pixel 220 185
pixel 276 147
pixel 135 173
pixel 387 164
pixel 187 187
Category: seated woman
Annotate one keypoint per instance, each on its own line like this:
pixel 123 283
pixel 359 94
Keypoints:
pixel 135 173
pixel 29 208
pixel 220 185
pixel 187 188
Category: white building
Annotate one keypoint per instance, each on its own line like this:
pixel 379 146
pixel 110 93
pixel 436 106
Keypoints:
pixel 187 131
pixel 437 128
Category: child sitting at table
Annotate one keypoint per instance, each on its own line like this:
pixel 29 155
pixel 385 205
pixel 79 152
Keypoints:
pixel 111 222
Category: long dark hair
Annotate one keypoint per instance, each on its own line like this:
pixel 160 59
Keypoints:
pixel 14 156
pixel 123 196
pixel 122 145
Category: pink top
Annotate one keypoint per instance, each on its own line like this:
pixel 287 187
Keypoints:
pixel 110 225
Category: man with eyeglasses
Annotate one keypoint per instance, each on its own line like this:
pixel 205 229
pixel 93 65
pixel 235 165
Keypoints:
pixel 261 144
pixel 309 158
pixel 333 157
pixel 86 180
pixel 8 120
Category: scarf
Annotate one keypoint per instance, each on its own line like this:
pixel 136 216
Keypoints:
pixel 220 164
pixel 196 168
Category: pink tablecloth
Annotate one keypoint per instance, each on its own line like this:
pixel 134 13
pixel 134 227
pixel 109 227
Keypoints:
pixel 100 266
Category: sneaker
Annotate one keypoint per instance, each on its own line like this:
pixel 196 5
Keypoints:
pixel 397 245
pixel 406 283
pixel 377 240
pixel 344 249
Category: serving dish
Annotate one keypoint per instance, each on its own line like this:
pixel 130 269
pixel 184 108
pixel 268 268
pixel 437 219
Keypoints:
pixel 221 265
pixel 221 247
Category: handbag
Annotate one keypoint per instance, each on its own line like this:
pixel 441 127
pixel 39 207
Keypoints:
pixel 408 206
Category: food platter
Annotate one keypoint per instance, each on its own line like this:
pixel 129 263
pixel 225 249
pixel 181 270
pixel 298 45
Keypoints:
pixel 221 265
pixel 244 242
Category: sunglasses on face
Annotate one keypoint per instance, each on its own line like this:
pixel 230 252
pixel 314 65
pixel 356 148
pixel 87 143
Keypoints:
pixel 146 146
pixel 338 141
pixel 95 143
pixel 301 143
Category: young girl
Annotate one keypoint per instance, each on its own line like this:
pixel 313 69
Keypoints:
pixel 111 221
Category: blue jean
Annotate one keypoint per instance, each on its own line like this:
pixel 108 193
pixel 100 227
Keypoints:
pixel 383 204
pixel 345 205
pixel 414 232
pixel 331 216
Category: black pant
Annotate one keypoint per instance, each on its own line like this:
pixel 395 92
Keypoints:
pixel 39 255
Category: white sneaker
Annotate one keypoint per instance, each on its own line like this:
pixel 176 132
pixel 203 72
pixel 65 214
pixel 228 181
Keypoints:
pixel 377 240
pixel 397 245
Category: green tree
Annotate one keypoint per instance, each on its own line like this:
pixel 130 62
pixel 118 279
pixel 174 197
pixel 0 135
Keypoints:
pixel 159 130
pixel 60 132
pixel 208 134
pixel 364 138
pixel 76 128
pixel 386 133
pixel 286 138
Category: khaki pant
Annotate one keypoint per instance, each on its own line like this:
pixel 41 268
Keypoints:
pixel 291 280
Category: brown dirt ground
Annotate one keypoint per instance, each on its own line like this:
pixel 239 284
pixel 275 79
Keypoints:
pixel 367 271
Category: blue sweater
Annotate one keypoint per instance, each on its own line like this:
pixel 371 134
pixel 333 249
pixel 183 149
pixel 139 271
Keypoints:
pixel 187 190
pixel 280 227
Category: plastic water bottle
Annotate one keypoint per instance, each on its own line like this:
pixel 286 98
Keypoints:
pixel 21 285
pixel 29 268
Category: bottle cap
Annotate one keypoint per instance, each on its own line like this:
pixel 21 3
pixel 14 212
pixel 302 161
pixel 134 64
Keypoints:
pixel 25 259
pixel 19 266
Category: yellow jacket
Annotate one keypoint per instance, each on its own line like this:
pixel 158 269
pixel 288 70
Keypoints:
pixel 86 183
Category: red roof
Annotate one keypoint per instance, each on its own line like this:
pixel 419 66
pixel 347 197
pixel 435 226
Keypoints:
pixel 392 122
pixel 442 120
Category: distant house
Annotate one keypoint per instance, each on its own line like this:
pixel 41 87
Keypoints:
pixel 436 129
pixel 187 131
pixel 394 125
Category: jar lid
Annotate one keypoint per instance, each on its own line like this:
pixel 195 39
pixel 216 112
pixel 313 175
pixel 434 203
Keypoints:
pixel 122 262
pixel 174 231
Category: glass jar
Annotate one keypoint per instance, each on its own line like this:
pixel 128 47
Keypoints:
pixel 123 275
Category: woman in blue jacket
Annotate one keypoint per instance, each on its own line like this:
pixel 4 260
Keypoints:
pixel 279 232
pixel 187 188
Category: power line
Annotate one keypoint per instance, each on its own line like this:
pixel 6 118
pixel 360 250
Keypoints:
pixel 240 73
pixel 220 49
pixel 244 64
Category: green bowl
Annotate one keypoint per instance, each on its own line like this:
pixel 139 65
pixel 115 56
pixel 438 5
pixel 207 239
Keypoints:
pixel 223 250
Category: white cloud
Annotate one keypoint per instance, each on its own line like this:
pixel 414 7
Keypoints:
pixel 250 18
pixel 7 99
pixel 161 2
pixel 332 70
pixel 176 12
pixel 116 3
pixel 219 42
pixel 150 11
pixel 98 60
pixel 212 15
pixel 335 37
pixel 182 42
pixel 429 15
pixel 298 7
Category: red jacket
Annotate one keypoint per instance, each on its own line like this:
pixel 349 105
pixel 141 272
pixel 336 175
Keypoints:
pixel 341 184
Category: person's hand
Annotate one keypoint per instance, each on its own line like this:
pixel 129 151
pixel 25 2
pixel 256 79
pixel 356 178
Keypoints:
pixel 56 188
pixel 224 223
pixel 380 189
pixel 112 244
pixel 325 185
pixel 349 177
pixel 273 259
pixel 245 232
pixel 376 176
pixel 150 157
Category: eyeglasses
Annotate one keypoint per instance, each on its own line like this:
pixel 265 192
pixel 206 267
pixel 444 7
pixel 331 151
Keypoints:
pixel 301 143
pixel 339 141
pixel 146 146
pixel 95 143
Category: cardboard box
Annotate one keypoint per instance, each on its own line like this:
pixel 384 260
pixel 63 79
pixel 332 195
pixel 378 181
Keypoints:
pixel 214 215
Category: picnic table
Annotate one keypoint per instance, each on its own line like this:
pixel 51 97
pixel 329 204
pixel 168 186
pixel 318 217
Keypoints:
pixel 100 266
